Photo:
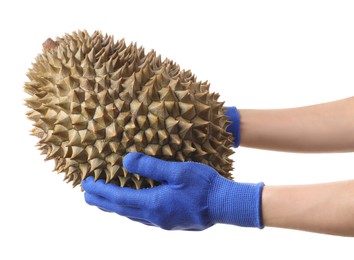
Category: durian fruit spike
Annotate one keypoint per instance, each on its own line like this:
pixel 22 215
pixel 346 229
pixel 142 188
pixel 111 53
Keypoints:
pixel 93 100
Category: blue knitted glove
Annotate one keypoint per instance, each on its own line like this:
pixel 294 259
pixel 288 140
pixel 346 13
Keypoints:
pixel 192 196
pixel 234 128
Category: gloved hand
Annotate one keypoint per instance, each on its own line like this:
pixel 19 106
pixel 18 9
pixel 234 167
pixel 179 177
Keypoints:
pixel 234 128
pixel 192 196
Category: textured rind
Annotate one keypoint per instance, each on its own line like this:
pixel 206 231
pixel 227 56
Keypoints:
pixel 94 100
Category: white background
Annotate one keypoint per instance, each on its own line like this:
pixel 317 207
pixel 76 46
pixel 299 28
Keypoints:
pixel 256 54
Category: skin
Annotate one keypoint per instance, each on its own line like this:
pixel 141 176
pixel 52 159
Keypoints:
pixel 322 208
pixel 329 127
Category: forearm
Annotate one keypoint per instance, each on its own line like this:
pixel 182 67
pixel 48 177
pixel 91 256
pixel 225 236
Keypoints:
pixel 322 208
pixel 327 127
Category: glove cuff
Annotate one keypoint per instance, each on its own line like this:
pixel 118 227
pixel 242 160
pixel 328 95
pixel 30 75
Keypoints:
pixel 236 203
pixel 234 127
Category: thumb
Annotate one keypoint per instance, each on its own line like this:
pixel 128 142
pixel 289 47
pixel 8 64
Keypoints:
pixel 151 167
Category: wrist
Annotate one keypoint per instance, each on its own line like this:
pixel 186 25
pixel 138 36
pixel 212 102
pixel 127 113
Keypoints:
pixel 234 127
pixel 235 203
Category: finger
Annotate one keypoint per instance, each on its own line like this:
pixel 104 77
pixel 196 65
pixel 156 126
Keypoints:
pixel 107 205
pixel 118 195
pixel 151 167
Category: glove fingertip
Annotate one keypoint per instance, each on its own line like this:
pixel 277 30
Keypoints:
pixel 87 181
pixel 131 159
pixel 90 199
pixel 149 166
pixel 89 184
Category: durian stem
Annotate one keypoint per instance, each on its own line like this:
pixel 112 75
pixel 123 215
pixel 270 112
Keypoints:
pixel 49 44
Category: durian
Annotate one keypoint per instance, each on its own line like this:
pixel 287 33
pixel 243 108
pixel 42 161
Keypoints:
pixel 93 100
